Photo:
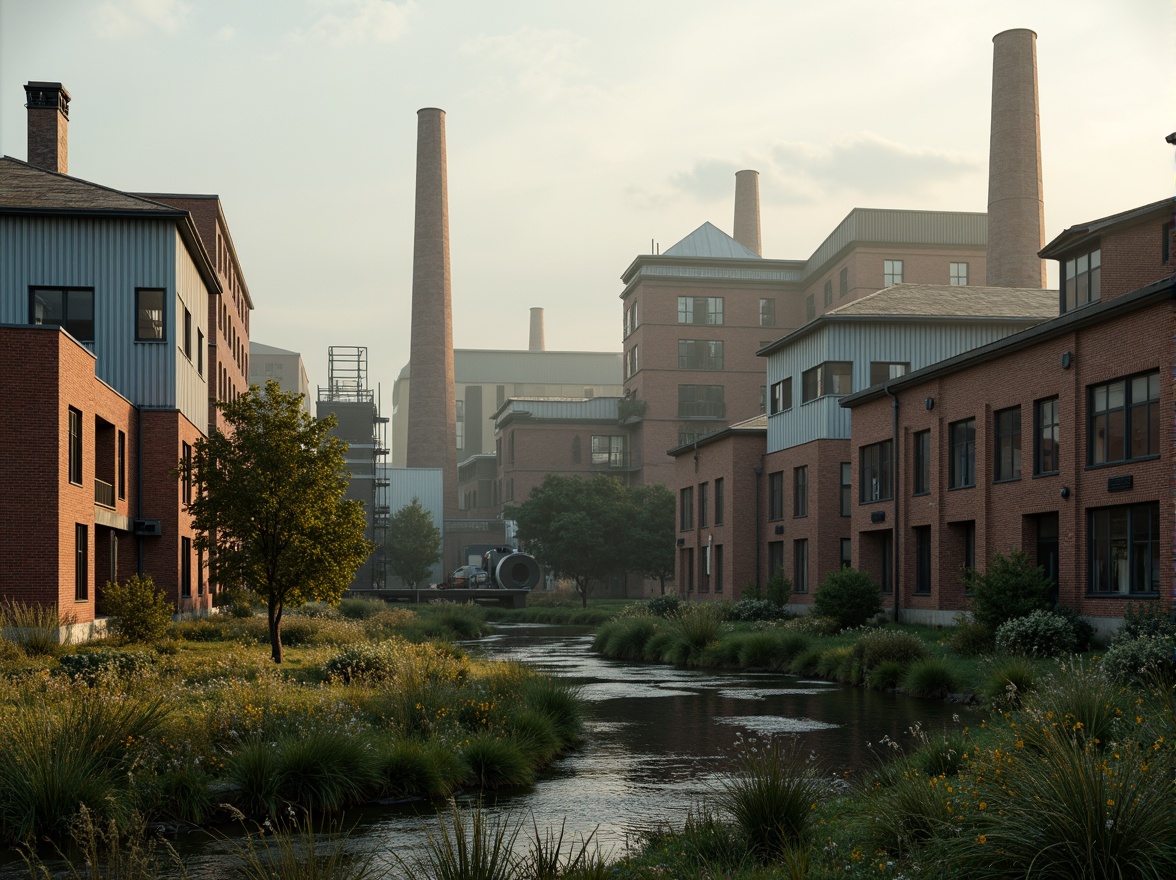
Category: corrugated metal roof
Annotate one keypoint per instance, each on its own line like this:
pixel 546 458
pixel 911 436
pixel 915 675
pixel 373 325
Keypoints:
pixel 710 241
pixel 546 367
pixel 901 227
pixel 562 408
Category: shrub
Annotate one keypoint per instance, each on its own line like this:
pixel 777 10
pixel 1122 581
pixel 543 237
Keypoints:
pixel 940 754
pixel 1010 587
pixel 1150 619
pixel 324 770
pixel 496 762
pixel 481 848
pixel 625 638
pixel 971 638
pixel 1078 700
pixel 665 605
pixel 758 650
pixel 1083 631
pixel 1009 681
pixel 747 610
pixel 316 611
pixel 806 662
pixel 90 665
pixel 771 797
pixel 777 589
pixel 791 645
pixel 886 675
pixel 837 664
pixel 848 596
pixel 138 611
pixel 697 625
pixel 417 768
pixel 535 734
pixel 1040 634
pixel 930 677
pixel 1139 660
pixel 559 700
pixel 362 609
pixel 880 645
pixel 813 624
pixel 363 662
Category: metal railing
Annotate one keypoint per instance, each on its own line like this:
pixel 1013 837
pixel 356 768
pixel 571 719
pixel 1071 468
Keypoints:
pixel 103 493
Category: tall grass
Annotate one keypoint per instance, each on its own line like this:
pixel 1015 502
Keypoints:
pixel 467 846
pixel 626 637
pixel 40 630
pixel 496 762
pixel 418 768
pixel 931 677
pixel 298 853
pixel 109 852
pixel 560 701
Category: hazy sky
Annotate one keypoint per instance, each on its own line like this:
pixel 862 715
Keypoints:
pixel 577 133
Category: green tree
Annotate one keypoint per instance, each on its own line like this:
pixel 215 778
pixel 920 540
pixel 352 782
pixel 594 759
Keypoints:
pixel 413 545
pixel 1009 587
pixel 576 528
pixel 271 510
pixel 650 534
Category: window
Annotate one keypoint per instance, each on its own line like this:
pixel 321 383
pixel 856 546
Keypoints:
pixel 200 352
pixel 702 505
pixel 958 274
pixel 888 563
pixel 72 309
pixel 608 450
pixel 700 354
pixel 891 272
pixel 843 282
pixel 846 487
pixel 763 399
pixel 829 293
pixel 510 448
pixel 199 572
pixel 1006 464
pixel 75 446
pixel 719 512
pixel 700 310
pixel 460 421
pixel 687 569
pixel 800 565
pixel 923 559
pixel 1125 419
pixel 781 400
pixel 630 318
pixel 81 563
pixel 810 308
pixel 700 401
pixel 922 462
pixel 767 313
pixel 800 491
pixel 689 433
pixel 831 377
pixel 1125 549
pixel 1082 280
pixel 576 445
pixel 188 334
pixel 875 472
pixel 1045 436
pixel 962 465
pixel 186 568
pixel 775 557
pixel 969 545
pixel 122 465
pixel 149 324
pixel 686 509
pixel 846 553
pixel 717 567
pixel 880 371
pixel 776 495
pixel 186 479
pixel 630 363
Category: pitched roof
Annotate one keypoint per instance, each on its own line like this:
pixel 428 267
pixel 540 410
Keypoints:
pixel 941 300
pixel 710 241
pixel 26 188
pixel 754 425
pixel 1080 233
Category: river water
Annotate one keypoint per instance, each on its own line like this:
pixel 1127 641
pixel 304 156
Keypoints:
pixel 658 742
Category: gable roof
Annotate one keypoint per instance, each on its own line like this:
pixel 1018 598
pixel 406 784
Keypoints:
pixel 750 427
pixel 1081 233
pixel 710 241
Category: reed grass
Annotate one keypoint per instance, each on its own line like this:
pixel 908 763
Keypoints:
pixel 469 845
pixel 496 762
pixel 418 768
pixel 931 677
pixel 39 630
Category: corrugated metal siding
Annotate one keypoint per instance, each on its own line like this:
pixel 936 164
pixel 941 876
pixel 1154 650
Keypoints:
pixel 918 344
pixel 406 484
pixel 748 274
pixel 901 227
pixel 113 256
pixel 593 408
pixel 191 387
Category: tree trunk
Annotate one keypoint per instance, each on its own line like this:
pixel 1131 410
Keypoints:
pixel 275 632
pixel 583 588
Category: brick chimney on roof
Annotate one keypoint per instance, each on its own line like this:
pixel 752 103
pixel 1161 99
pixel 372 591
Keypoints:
pixel 48 106
pixel 747 211
pixel 536 341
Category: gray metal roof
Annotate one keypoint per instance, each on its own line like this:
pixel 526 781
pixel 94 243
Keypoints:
pixel 490 367
pixel 900 227
pixel 710 241
pixel 561 408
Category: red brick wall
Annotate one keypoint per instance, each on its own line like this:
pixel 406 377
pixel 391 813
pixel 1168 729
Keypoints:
pixel 1131 258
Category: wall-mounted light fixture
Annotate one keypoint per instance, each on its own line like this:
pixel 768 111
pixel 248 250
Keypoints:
pixel 878 516
pixel 1067 359
pixel 681 542
pixel 779 530
pixel 1065 491
pixel 929 403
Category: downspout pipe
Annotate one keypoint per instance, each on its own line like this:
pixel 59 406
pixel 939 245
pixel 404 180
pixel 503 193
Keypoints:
pixel 759 472
pixel 139 486
pixel 895 483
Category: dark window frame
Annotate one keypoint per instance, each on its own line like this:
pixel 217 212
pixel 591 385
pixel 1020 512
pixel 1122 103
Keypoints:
pixel 876 463
pixel 122 465
pixel 703 505
pixel 775 496
pixel 781 396
pixel 1006 431
pixel 843 281
pixel 693 402
pixel 711 310
pixel 800 565
pixel 825 379
pixel 700 354
pixel 185 568
pixel 159 326
pixel 81 562
pixel 1046 427
pixel 686 509
pixel 800 491
pixel 922 561
pixel 846 488
pixel 961 466
pixel 1130 415
pixel 720 513
pixel 1124 550
pixel 1081 280
pixel 876 369
pixel 75 475
pixel 81 329
pixel 922 463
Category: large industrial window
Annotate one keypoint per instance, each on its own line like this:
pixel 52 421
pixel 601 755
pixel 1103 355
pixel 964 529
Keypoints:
pixel 186 477
pixel 891 272
pixel 149 324
pixel 800 565
pixel 75 446
pixel 186 568
pixel 767 313
pixel 923 559
pixel 831 377
pixel 781 399
pixel 703 513
pixel 686 509
pixel 800 491
pixel 1125 419
pixel 846 488
pixel 1046 434
pixel 1082 280
pixel 1006 464
pixel 922 463
pixel 776 495
pixel 81 562
pixel 962 465
pixel 875 472
pixel 700 401
pixel 958 274
pixel 1125 549
pixel 700 354
pixel 70 308
pixel 608 450
pixel 719 500
pixel 700 310
pixel 880 371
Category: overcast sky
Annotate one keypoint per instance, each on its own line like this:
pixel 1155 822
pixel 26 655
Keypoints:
pixel 577 133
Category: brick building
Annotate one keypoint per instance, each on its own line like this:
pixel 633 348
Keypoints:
pixel 110 308
pixel 1057 441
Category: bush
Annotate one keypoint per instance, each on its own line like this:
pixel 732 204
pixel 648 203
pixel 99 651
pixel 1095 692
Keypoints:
pixel 697 625
pixel 138 611
pixel 848 596
pixel 625 638
pixel 886 675
pixel 1139 660
pixel 1040 634
pixel 791 645
pixel 749 610
pixel 1010 587
pixel 416 768
pixel 880 645
pixel 777 589
pixel 1151 619
pixel 362 609
pixel 90 665
pixel 806 662
pixel 771 797
pixel 930 677
pixel 1008 683
pixel 363 662
pixel 665 605
pixel 1083 631
pixel 496 762
pixel 758 650
pixel 971 638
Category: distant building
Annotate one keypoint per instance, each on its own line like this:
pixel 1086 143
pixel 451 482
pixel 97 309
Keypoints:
pixel 284 367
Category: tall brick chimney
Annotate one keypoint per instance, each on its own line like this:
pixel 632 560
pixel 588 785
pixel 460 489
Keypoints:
pixel 537 342
pixel 48 106
pixel 1016 210
pixel 432 414
pixel 747 210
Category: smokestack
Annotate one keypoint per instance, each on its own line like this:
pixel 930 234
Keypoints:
pixel 747 210
pixel 1016 211
pixel 536 342
pixel 48 106
pixel 432 415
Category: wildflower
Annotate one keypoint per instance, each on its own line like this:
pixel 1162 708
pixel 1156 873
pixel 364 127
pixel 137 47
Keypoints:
pixel 982 838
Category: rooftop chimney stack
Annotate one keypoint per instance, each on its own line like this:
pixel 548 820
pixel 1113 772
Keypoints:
pixel 432 414
pixel 48 106
pixel 747 211
pixel 537 342
pixel 1016 210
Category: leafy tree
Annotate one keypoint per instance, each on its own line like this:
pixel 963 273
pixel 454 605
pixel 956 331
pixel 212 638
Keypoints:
pixel 271 509
pixel 413 545
pixel 1010 587
pixel 650 532
pixel 576 527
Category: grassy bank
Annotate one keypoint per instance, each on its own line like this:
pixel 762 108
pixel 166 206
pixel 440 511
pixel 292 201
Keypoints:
pixel 371 703
pixel 562 607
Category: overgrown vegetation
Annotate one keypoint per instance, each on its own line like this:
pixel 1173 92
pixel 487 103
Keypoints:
pixel 1009 587
pixel 138 611
pixel 849 597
